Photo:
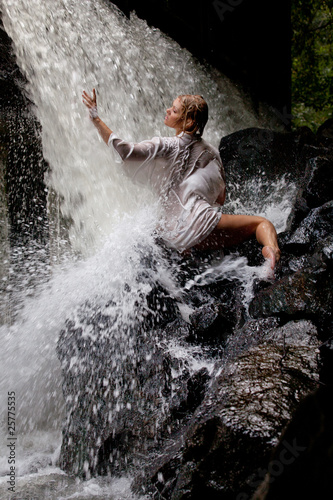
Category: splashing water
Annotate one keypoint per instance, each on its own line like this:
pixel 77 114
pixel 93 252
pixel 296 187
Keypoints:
pixel 63 47
pixel 233 268
pixel 262 196
pixel 28 356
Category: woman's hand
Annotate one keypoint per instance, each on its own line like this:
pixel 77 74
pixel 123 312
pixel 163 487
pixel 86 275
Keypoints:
pixel 91 103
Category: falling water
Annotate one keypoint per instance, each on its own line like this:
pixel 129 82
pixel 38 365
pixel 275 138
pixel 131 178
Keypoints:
pixel 63 47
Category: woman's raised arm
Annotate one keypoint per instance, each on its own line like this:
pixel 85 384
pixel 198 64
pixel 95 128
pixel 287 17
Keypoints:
pixel 91 104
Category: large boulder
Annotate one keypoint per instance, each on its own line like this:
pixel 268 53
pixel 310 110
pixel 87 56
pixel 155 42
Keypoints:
pixel 301 156
pixel 301 463
pixel 251 152
pixel 266 373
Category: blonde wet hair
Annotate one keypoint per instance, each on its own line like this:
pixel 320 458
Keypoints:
pixel 195 109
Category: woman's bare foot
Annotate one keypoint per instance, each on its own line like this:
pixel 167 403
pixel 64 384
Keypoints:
pixel 271 254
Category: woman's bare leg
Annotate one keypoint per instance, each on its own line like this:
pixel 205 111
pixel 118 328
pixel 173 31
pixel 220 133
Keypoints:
pixel 234 229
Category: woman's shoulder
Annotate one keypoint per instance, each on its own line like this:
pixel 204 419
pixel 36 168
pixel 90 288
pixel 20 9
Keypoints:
pixel 207 146
pixel 167 144
pixel 163 141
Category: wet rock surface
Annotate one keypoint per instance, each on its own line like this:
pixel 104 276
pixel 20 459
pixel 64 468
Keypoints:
pixel 192 430
pixel 117 375
pixel 21 152
pixel 301 464
pixel 243 411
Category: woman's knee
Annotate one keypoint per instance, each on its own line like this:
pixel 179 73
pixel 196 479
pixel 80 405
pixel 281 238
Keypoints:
pixel 264 221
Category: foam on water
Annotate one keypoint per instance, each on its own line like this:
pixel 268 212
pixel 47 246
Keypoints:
pixel 53 484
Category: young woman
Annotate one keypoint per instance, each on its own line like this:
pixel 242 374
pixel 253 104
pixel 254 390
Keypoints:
pixel 187 174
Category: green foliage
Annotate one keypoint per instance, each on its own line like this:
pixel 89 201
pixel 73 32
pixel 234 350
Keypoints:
pixel 312 62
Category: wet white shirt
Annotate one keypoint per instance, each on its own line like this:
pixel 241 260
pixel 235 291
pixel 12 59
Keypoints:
pixel 187 174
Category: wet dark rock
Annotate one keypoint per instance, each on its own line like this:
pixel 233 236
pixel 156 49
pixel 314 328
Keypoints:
pixel 301 463
pixel 319 185
pixel 125 384
pixel 305 288
pixel 213 322
pixel 315 188
pixel 230 435
pixel 247 153
pixel 204 318
pixel 303 294
pixel 301 156
pixel 251 334
pixel 316 226
pixel 11 78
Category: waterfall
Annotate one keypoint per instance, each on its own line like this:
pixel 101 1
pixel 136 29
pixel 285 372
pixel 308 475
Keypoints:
pixel 66 46
pixel 63 47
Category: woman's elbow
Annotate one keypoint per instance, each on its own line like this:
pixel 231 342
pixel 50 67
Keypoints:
pixel 221 197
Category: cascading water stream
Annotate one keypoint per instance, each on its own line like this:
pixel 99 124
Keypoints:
pixel 63 47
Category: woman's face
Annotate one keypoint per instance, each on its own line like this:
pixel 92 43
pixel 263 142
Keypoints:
pixel 173 116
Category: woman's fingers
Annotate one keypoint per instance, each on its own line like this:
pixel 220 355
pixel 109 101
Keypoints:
pixel 90 102
pixel 86 99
